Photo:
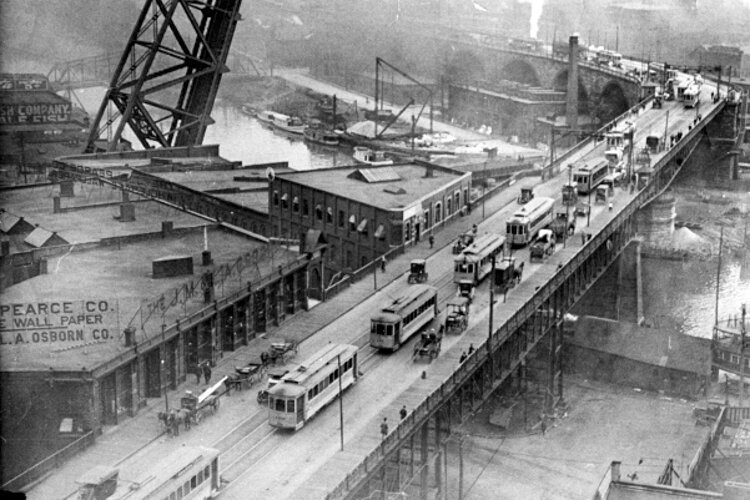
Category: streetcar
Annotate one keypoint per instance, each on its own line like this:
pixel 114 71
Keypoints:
pixel 191 472
pixel 692 96
pixel 475 262
pixel 404 316
pixel 588 176
pixel 523 226
pixel 304 391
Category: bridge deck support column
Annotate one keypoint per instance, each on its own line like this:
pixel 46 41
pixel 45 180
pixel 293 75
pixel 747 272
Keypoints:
pixel 424 464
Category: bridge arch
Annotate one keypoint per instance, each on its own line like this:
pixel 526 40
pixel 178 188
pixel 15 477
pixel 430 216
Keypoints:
pixel 612 102
pixel 519 70
pixel 560 84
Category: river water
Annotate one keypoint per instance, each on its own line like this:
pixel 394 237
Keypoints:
pixel 677 295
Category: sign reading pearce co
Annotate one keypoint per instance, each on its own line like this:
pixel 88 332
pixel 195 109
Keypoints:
pixel 59 323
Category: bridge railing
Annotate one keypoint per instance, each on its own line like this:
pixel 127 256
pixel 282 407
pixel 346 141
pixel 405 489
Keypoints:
pixel 407 426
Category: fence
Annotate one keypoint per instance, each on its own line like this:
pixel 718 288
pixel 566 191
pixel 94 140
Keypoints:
pixel 699 463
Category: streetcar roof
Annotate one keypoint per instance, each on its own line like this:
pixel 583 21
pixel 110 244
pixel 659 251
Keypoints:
pixel 412 294
pixel 317 361
pixel 384 317
pixel 534 206
pixel 590 167
pixel 482 245
pixel 175 464
pixel 287 390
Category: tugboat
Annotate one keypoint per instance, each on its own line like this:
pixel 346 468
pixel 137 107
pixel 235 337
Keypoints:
pixel 269 117
pixel 317 133
pixel 375 158
pixel 290 124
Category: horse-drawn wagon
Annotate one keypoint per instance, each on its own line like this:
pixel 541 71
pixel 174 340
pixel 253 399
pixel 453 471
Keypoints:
pixel 279 352
pixel 200 406
pixel 244 376
pixel 457 317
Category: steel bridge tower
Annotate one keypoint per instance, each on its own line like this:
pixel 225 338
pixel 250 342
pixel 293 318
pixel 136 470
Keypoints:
pixel 165 84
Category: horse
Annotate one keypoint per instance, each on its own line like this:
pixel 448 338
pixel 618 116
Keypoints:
pixel 174 418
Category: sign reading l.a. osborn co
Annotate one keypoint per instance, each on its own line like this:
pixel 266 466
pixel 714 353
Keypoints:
pixel 59 323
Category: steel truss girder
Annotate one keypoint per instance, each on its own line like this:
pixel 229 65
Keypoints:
pixel 165 84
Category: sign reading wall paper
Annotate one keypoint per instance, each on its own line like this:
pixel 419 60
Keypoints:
pixel 59 323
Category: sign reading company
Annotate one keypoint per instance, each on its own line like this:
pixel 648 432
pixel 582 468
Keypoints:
pixel 58 323
pixel 11 114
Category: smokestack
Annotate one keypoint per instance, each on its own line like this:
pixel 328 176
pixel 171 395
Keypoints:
pixel 571 104
pixel 129 336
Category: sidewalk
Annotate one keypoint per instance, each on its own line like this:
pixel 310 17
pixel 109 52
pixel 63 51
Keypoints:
pixel 119 443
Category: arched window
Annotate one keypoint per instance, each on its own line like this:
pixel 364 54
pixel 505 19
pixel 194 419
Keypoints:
pixel 448 206
pixel 276 197
pixel 305 207
pixel 329 215
pixel 318 212
pixel 295 204
pixel 352 223
pixel 438 212
pixel 284 200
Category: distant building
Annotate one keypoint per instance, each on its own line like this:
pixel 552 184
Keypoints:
pixel 36 125
pixel 364 212
pixel 718 55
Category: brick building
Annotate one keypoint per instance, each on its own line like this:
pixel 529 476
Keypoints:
pixel 364 212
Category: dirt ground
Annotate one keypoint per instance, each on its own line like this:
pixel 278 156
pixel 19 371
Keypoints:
pixel 601 423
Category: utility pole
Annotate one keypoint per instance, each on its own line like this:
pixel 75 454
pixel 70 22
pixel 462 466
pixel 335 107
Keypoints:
pixel 742 356
pixel 567 205
pixel 718 276
pixel 341 403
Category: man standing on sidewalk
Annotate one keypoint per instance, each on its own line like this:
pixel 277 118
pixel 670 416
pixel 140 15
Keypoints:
pixel 382 263
pixel 384 427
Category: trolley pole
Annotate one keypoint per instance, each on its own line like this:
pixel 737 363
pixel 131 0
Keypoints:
pixel 341 404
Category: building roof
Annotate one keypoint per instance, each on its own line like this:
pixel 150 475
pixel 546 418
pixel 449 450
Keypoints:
pixel 647 345
pixel 121 276
pixel 96 220
pixel 412 186
pixel 40 237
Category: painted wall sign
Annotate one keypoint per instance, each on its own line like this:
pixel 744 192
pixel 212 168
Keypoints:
pixel 34 113
pixel 59 323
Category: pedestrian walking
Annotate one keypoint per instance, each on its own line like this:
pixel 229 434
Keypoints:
pixel 382 263
pixel 544 426
pixel 610 206
pixel 463 357
pixel 198 372
pixel 583 237
pixel 384 427
pixel 471 349
pixel 207 372
pixel 432 241
pixel 403 412
pixel 474 229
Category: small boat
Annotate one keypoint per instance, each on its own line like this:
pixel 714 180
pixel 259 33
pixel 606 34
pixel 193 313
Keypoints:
pixel 375 158
pixel 249 110
pixel 290 124
pixel 269 117
pixel 316 132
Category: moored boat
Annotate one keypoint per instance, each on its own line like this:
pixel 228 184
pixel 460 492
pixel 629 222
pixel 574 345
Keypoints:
pixel 290 124
pixel 316 132
pixel 370 157
pixel 270 117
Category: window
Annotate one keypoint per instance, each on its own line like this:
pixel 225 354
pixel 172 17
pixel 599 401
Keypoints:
pixel 329 215
pixel 207 472
pixel 438 212
pixel 295 204
pixel 352 223
pixel 318 212
pixel 186 489
pixel 457 199
pixel 342 218
pixel 380 232
pixel 290 406
pixel 448 207
pixel 276 198
pixel 200 476
pixel 305 207
pixel 279 406
pixel 284 200
pixel 193 482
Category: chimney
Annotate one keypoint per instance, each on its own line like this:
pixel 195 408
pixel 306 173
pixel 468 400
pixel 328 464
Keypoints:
pixel 125 195
pixel 129 336
pixel 208 288
pixel 4 248
pixel 571 105
pixel 56 205
pixel 429 170
pixel 615 470
pixel 127 212
pixel 167 226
